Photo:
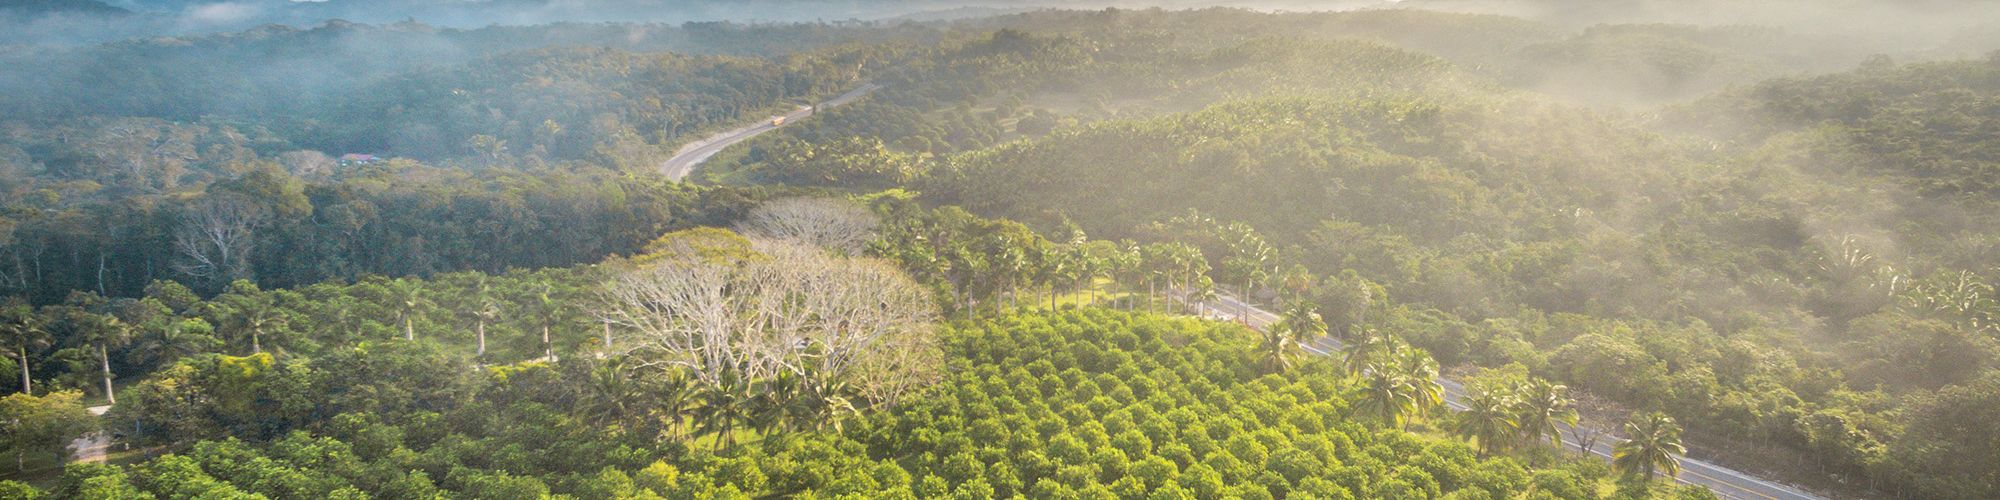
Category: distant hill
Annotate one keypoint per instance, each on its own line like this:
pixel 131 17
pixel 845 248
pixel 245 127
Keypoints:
pixel 60 6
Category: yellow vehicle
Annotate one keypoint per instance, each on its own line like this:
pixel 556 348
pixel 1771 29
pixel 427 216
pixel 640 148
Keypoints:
pixel 777 121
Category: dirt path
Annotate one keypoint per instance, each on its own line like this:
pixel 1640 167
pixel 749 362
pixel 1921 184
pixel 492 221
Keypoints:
pixel 92 447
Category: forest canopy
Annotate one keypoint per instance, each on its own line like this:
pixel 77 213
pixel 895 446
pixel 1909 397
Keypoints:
pixel 1117 253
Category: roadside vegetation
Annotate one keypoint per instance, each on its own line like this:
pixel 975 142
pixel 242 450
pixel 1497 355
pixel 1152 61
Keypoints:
pixel 459 273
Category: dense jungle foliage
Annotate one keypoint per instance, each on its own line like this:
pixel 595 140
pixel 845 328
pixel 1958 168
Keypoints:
pixel 400 261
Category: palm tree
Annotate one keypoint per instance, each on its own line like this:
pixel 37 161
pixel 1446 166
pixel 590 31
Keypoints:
pixel 25 331
pixel 1050 266
pixel 1282 340
pixel 724 406
pixel 337 318
pixel 1127 268
pixel 611 393
pixel 547 312
pixel 1302 322
pixel 1010 268
pixel 1251 261
pixel 775 403
pixel 1191 265
pixel 675 398
pixel 1275 350
pixel 1539 406
pixel 1422 373
pixel 483 309
pixel 252 315
pixel 1373 348
pixel 1652 441
pixel 176 338
pixel 102 331
pixel 1489 419
pixel 1385 395
pixel 827 404
pixel 1086 266
pixel 1201 294
pixel 407 296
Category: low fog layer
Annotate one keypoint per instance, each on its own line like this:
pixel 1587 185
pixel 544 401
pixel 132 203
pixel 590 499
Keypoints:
pixel 1892 24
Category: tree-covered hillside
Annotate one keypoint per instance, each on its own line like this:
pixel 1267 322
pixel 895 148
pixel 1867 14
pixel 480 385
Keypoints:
pixel 1798 280
pixel 401 261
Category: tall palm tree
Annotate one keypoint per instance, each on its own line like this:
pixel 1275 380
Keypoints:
pixel 484 310
pixel 1010 268
pixel 253 316
pixel 1154 263
pixel 1374 348
pixel 1191 266
pixel 827 404
pixel 1539 406
pixel 176 338
pixel 1275 350
pixel 1050 266
pixel 1651 442
pixel 612 395
pixel 1302 322
pixel 1086 266
pixel 724 407
pixel 1251 261
pixel 1127 265
pixel 1386 395
pixel 407 296
pixel 24 331
pixel 675 399
pixel 1422 373
pixel 776 402
pixel 1488 419
pixel 1201 294
pixel 102 331
pixel 547 312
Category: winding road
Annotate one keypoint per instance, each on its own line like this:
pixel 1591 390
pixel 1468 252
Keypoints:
pixel 1726 483
pixel 684 160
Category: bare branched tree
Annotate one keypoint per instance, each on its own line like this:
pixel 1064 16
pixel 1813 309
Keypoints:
pixel 215 238
pixel 835 225
pixel 308 164
pixel 831 321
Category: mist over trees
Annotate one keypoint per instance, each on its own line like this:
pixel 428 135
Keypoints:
pixel 438 258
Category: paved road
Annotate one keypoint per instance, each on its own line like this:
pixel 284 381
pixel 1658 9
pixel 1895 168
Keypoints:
pixel 684 160
pixel 92 447
pixel 1724 482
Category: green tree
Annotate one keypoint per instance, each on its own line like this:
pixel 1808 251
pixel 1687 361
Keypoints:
pixel 1374 348
pixel 1651 442
pixel 1421 372
pixel 674 397
pixel 1539 406
pixel 100 332
pixel 546 311
pixel 250 314
pixel 25 331
pixel 1386 395
pixel 480 305
pixel 407 297
pixel 43 425
pixel 1202 292
pixel 1283 340
pixel 161 336
pixel 1489 419
pixel 725 406
pixel 1274 349
pixel 1302 322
